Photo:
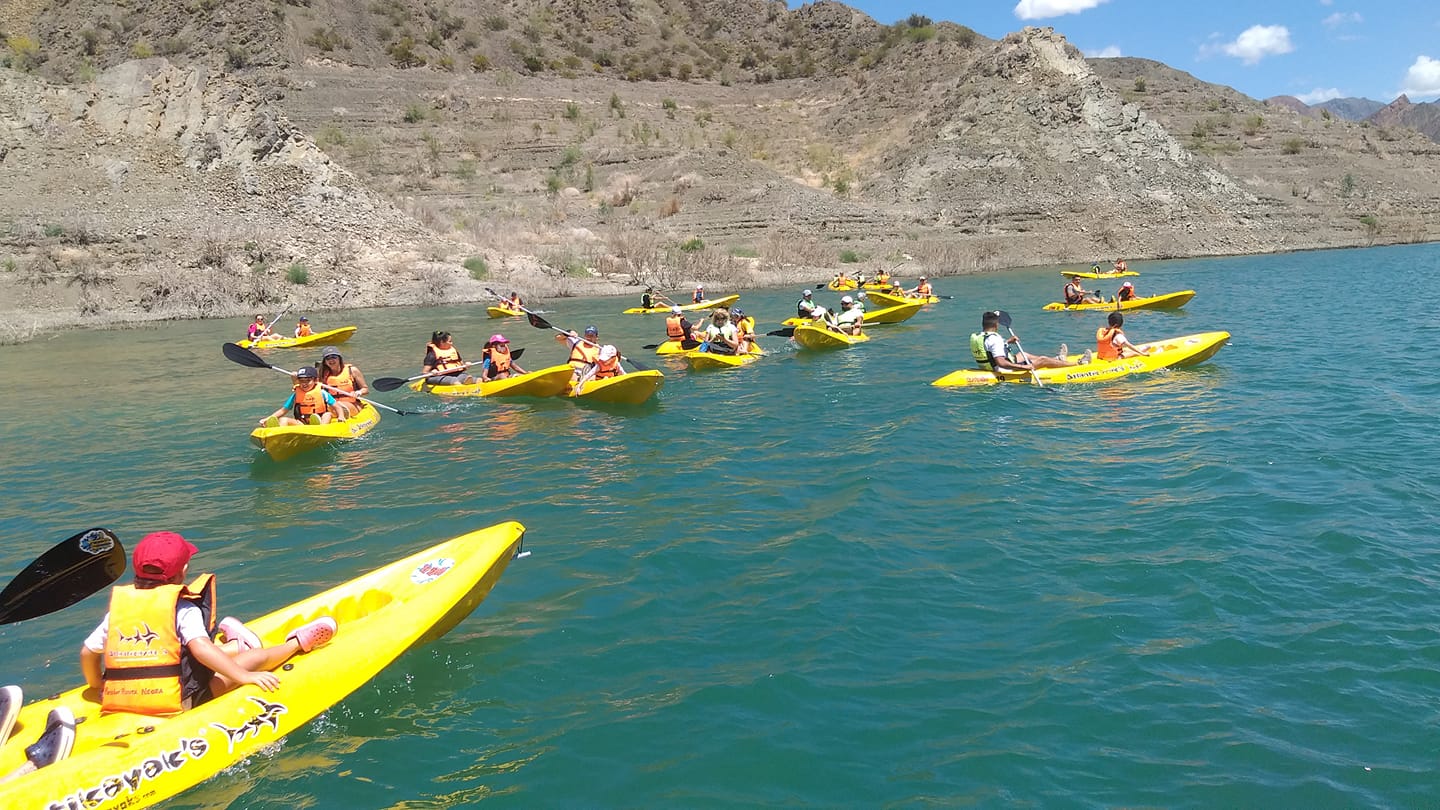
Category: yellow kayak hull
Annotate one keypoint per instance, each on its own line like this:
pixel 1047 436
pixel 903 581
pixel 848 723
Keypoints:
pixel 625 389
pixel 708 304
pixel 1187 350
pixel 1173 300
pixel 329 338
pixel 547 382
pixel 130 761
pixel 1082 274
pixel 819 337
pixel 699 360
pixel 502 312
pixel 888 300
pixel 280 443
pixel 848 284
pixel 671 347
pixel 898 313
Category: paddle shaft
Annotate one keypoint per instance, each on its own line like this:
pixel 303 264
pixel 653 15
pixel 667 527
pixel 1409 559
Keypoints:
pixel 391 383
pixel 540 323
pixel 239 354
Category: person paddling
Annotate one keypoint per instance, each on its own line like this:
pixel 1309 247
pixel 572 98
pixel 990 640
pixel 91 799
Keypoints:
pixel 1075 292
pixel 443 362
pixel 805 307
pixel 677 328
pixel 1126 292
pixel 308 404
pixel 699 296
pixel 583 350
pixel 337 373
pixel 497 363
pixel 989 350
pixel 259 331
pixel 720 334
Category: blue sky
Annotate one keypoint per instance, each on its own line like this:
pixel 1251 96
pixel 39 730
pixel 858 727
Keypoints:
pixel 1311 49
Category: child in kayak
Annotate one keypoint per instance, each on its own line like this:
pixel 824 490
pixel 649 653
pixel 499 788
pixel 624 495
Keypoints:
pixel 1111 343
pixel 495 363
pixel 306 401
pixel 162 658
pixel 1126 292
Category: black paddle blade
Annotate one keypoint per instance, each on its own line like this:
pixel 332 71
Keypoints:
pixel 239 354
pixel 515 355
pixel 388 383
pixel 637 365
pixel 652 346
pixel 788 331
pixel 1004 318
pixel 62 576
pixel 687 343
pixel 537 321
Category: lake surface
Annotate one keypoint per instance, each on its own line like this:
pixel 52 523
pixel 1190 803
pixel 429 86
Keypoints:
pixel 818 580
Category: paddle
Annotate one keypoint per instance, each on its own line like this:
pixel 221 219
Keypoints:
pixel 391 383
pixel 540 323
pixel 62 576
pixel 245 357
pixel 687 343
pixel 1005 321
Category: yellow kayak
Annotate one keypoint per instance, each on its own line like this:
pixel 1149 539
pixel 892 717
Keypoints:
pixel 547 382
pixel 707 360
pixel 707 304
pixel 283 441
pixel 625 389
pixel 1082 274
pixel 889 300
pixel 502 312
pixel 819 337
pixel 894 314
pixel 130 761
pixel 671 347
pixel 843 284
pixel 1173 300
pixel 1187 350
pixel 329 338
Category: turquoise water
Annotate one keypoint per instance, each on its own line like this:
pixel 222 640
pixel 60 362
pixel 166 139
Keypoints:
pixel 817 580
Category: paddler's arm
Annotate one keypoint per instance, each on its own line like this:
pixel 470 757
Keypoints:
pixel 220 662
pixel 91 666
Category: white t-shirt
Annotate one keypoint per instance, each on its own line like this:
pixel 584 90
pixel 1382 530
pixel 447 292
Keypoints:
pixel 850 315
pixel 727 332
pixel 189 623
pixel 994 344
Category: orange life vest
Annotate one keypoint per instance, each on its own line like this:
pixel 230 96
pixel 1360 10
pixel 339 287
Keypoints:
pixel 607 368
pixel 303 330
pixel 1104 343
pixel 499 359
pixel 309 402
pixel 583 354
pixel 147 671
pixel 1121 266
pixel 923 288
pixel 1126 293
pixel 344 380
pixel 673 328
pixel 445 359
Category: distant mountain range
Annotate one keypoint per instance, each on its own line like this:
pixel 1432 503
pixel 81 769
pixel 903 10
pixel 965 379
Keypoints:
pixel 1402 112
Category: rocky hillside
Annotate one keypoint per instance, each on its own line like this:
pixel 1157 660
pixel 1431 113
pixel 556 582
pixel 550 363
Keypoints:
pixel 345 154
pixel 1423 117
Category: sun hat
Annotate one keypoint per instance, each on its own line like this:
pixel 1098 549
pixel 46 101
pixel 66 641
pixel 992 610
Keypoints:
pixel 1127 284
pixel 608 352
pixel 162 556
pixel 328 352
pixel 306 373
pixel 499 338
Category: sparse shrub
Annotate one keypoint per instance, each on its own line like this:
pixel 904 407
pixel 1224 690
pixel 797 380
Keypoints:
pixel 572 111
pixel 669 106
pixel 533 63
pixel 850 257
pixel 402 53
pixel 141 50
pixel 297 274
pixel 53 231
pixel 170 46
pixel 744 252
pixel 1254 124
pixel 1372 225
pixel 1347 186
pixel 236 57
pixel 445 62
pixel 669 208
pixel 617 107
pixel 480 63
pixel 1140 84
pixel 1292 146
pixel 477 268
pixel 1325 114
pixel 553 184
pixel 842 186
pixel 922 34
pixel 89 40
pixel 570 156
pixel 692 245
pixel 25 52
pixel 918 21
pixel 414 114
pixel 467 170
pixel 496 22
pixel 330 135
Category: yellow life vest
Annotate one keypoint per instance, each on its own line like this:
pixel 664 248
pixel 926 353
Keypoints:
pixel 147 671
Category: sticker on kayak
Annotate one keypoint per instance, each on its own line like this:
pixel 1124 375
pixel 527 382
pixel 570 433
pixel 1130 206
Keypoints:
pixel 97 541
pixel 431 571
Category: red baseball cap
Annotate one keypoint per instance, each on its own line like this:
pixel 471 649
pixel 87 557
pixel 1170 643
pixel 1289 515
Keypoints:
pixel 162 556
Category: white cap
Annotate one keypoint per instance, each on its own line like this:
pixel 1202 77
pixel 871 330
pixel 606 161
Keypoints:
pixel 845 299
pixel 699 286
pixel 818 311
pixel 676 310
pixel 1127 284
pixel 808 292
pixel 608 352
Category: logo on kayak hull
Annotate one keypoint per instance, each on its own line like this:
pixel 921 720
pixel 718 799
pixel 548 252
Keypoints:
pixel 431 571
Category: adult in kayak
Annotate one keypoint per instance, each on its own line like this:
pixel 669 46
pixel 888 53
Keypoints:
pixel 850 320
pixel 923 289
pixel 496 363
pixel 258 331
pixel 677 327
pixel 882 278
pixel 443 362
pixel 1126 292
pixel 805 307
pixel 1075 293
pixel 989 350
pixel 302 327
pixel 583 352
pixel 1110 340
pixel 1120 265
pixel 648 299
pixel 162 658
pixel 720 336
pixel 606 365
pixel 337 373
pixel 699 294
pixel 309 404
pixel 513 302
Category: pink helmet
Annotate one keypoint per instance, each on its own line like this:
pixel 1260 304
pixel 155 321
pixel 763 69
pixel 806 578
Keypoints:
pixel 498 338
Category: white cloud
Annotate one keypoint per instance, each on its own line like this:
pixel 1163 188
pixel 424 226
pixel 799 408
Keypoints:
pixel 1423 78
pixel 1341 18
pixel 1040 9
pixel 1259 41
pixel 1107 52
pixel 1320 94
